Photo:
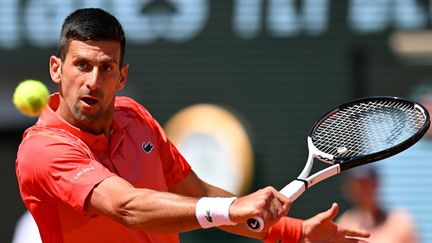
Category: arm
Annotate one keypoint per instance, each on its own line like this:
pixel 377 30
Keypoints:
pixel 142 208
pixel 319 228
pixel 171 212
pixel 194 186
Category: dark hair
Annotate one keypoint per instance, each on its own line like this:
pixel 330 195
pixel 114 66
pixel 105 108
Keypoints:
pixel 90 24
pixel 363 172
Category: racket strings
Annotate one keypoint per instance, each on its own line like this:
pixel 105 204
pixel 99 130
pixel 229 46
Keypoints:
pixel 367 127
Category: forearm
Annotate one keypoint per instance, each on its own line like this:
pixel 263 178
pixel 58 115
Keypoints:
pixel 143 208
pixel 165 212
pixel 159 211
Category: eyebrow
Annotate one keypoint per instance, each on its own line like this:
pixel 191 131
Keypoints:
pixel 103 60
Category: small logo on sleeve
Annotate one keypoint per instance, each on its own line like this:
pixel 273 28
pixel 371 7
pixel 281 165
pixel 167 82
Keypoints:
pixel 147 147
pixel 208 216
pixel 82 172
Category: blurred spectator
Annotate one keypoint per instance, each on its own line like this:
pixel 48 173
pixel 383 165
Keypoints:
pixel 361 188
pixel 406 178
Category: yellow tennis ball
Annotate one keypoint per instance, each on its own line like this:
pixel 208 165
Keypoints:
pixel 31 97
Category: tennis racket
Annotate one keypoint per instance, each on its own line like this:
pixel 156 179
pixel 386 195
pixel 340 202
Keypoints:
pixel 356 133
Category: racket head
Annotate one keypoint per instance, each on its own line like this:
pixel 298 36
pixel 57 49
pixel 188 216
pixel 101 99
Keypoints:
pixel 367 130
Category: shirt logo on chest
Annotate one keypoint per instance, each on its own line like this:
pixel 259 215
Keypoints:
pixel 147 147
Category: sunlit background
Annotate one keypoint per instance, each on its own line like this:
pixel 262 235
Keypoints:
pixel 275 65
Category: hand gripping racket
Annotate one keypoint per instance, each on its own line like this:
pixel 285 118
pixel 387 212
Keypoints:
pixel 356 133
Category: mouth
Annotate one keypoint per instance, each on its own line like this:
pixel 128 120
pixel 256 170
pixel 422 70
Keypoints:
pixel 89 101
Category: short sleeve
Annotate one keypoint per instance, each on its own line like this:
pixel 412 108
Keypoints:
pixel 174 165
pixel 51 168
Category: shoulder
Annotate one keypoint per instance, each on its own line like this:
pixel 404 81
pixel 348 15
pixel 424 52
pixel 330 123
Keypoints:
pixel 42 139
pixel 131 114
pixel 402 216
pixel 128 106
pixel 43 149
pixel 402 224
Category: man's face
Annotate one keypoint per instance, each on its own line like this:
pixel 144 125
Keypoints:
pixel 88 80
pixel 362 191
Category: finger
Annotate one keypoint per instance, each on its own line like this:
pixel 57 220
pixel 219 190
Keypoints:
pixel 282 198
pixel 284 201
pixel 334 210
pixel 278 203
pixel 350 240
pixel 330 214
pixel 356 233
pixel 276 209
pixel 279 209
pixel 287 207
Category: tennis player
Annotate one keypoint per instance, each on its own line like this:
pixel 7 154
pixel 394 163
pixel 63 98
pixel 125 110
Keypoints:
pixel 361 188
pixel 96 167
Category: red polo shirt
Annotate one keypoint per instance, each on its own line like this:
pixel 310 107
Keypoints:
pixel 58 165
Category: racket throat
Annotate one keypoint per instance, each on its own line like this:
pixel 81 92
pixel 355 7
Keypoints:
pixel 323 174
pixel 306 183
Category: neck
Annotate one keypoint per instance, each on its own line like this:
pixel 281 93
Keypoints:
pixel 95 129
pixel 87 123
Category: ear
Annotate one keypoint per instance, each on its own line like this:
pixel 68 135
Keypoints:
pixel 123 75
pixel 55 69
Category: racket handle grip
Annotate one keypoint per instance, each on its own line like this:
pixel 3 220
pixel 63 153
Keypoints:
pixel 255 224
pixel 294 189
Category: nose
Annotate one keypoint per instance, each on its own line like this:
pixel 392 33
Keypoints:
pixel 92 82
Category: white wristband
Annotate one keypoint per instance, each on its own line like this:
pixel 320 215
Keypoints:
pixel 214 211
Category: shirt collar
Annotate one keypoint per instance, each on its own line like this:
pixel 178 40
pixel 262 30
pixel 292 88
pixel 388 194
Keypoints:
pixel 50 118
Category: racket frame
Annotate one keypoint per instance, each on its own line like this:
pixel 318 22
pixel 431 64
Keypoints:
pixel 351 162
pixel 339 163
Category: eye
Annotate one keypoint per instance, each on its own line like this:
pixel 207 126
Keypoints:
pixel 83 65
pixel 106 67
